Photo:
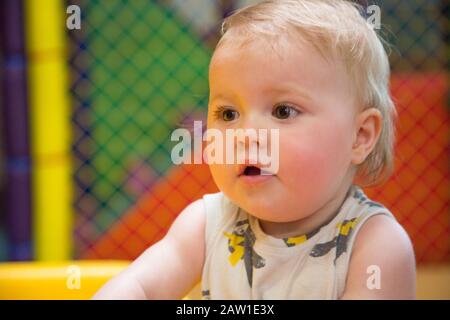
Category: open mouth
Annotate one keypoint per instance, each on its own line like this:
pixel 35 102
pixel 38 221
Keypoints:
pixel 254 171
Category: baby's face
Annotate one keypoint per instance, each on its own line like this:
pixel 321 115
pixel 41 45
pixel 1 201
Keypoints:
pixel 310 101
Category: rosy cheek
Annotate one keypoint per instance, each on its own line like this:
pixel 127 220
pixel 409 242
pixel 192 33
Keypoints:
pixel 302 164
pixel 313 160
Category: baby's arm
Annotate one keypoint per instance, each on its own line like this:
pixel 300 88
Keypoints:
pixel 383 244
pixel 169 268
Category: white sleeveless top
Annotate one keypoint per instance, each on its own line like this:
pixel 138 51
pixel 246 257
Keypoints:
pixel 242 262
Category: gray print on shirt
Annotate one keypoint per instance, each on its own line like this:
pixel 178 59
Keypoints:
pixel 340 241
pixel 240 245
pixel 362 199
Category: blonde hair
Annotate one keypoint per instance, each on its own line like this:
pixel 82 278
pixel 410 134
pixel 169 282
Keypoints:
pixel 336 27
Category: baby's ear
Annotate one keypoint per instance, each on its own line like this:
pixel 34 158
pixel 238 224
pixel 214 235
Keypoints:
pixel 368 128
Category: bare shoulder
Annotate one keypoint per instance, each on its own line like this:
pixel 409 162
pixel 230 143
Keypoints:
pixel 382 232
pixel 382 264
pixel 191 219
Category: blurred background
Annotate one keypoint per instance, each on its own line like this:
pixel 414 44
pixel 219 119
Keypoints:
pixel 87 114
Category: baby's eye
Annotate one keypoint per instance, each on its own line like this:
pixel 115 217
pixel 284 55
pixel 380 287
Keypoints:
pixel 226 114
pixel 284 112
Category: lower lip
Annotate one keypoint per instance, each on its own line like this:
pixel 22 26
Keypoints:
pixel 256 179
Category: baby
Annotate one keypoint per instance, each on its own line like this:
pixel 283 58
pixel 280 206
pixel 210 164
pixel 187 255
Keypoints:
pixel 316 71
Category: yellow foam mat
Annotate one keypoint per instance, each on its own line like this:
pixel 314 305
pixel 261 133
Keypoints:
pixel 81 279
pixel 433 282
pixel 56 280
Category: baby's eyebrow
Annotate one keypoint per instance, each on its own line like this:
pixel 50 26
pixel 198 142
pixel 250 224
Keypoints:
pixel 290 89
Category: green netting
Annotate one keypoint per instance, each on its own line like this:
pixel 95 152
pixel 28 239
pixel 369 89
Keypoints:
pixel 146 70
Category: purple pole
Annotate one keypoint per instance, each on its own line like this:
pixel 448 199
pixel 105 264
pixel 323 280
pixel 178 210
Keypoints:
pixel 17 202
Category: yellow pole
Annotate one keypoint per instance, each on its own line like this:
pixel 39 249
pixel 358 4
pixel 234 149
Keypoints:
pixel 50 129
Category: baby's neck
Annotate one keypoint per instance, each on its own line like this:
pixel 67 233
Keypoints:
pixel 321 217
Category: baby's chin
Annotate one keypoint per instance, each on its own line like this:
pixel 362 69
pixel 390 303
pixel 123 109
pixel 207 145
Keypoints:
pixel 265 207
